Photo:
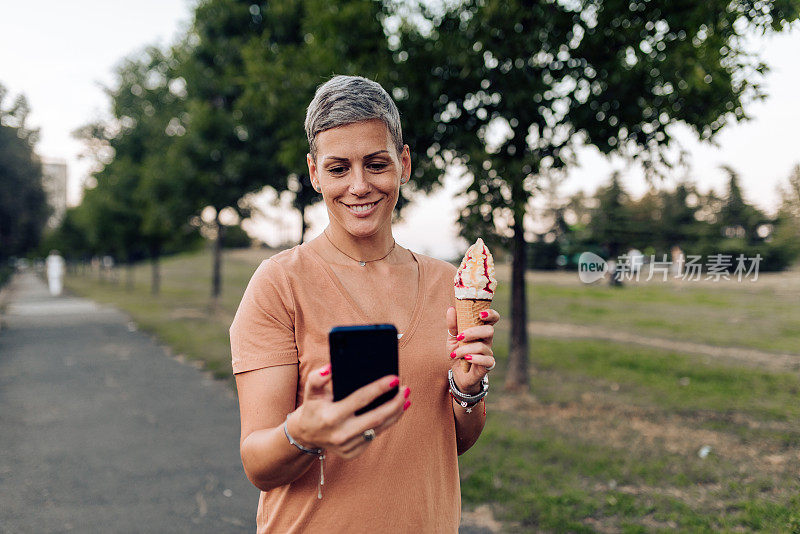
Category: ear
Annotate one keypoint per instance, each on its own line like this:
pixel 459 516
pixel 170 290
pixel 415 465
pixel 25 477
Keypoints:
pixel 405 160
pixel 312 173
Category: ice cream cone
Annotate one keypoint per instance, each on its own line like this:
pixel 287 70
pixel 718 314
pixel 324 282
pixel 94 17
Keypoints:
pixel 468 314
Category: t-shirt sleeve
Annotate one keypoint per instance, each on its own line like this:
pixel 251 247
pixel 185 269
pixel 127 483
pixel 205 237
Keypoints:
pixel 262 333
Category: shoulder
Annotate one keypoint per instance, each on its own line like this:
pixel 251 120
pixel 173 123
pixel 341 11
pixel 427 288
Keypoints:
pixel 286 263
pixel 436 270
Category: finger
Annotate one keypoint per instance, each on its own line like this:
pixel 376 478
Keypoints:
pixel 480 359
pixel 377 417
pixel 366 394
pixel 379 420
pixel 353 448
pixel 318 384
pixel 476 332
pixel 452 321
pixel 489 316
pixel 472 348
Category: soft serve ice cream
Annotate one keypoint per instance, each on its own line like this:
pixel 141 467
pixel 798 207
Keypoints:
pixel 474 286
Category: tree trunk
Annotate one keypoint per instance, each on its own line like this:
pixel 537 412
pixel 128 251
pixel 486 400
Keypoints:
pixel 155 282
pixel 517 375
pixel 216 273
pixel 303 224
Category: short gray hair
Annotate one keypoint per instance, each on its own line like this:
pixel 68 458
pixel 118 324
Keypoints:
pixel 344 100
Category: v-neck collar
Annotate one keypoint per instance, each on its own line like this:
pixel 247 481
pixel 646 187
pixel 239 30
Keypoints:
pixel 418 305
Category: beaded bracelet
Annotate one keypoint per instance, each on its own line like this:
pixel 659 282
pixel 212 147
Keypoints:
pixel 467 401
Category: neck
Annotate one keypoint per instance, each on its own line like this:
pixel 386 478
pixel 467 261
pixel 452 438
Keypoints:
pixel 361 248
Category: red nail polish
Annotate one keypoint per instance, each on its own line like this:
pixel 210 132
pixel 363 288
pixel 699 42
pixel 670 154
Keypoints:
pixel 484 315
pixel 468 357
pixel 452 355
pixel 325 371
pixel 394 383
pixel 460 337
pixel 406 405
pixel 407 393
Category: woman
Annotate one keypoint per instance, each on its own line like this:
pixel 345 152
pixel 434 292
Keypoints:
pixel 395 468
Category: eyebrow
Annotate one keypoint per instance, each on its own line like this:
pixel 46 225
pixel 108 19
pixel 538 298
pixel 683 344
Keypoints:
pixel 336 158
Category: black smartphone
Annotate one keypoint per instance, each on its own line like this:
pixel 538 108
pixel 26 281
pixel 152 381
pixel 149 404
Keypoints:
pixel 360 355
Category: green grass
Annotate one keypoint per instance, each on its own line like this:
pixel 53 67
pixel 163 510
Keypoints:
pixel 609 439
pixel 741 315
pixel 560 473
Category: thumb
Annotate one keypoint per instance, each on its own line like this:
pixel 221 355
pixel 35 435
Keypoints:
pixel 318 384
pixel 452 321
pixel 452 325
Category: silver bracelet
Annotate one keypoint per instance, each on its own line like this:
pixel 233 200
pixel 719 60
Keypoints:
pixel 319 453
pixel 467 401
pixel 314 452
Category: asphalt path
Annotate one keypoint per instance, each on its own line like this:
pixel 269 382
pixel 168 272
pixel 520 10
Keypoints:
pixel 102 431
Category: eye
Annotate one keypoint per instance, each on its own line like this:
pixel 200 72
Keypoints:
pixel 337 170
pixel 377 167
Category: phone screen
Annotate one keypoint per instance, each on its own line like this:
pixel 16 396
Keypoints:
pixel 360 355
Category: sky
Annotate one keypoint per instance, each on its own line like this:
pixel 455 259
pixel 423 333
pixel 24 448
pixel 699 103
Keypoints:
pixel 61 54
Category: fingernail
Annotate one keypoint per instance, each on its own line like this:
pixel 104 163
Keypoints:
pixel 460 337
pixel 468 357
pixel 406 405
pixel 325 371
pixel 484 315
pixel 394 383
pixel 407 393
pixel 452 355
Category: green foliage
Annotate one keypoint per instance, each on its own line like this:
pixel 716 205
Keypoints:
pixel 139 205
pixel 510 89
pixel 236 237
pixel 23 204
pixel 518 86
pixel 662 219
pixel 302 44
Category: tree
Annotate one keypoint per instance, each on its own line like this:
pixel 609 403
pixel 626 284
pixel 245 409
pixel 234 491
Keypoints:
pixel 786 234
pixel 140 203
pixel 226 152
pixel 737 218
pixel 23 203
pixel 611 221
pixel 680 227
pixel 515 87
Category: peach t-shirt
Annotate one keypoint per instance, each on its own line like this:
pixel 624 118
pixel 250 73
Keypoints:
pixel 407 480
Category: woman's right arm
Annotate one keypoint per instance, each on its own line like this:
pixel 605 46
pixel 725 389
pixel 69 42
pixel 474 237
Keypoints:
pixel 267 395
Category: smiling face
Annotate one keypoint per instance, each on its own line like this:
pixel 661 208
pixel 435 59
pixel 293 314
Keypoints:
pixel 358 171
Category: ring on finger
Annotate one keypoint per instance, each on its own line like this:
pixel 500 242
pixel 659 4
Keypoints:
pixel 368 435
pixel 451 335
pixel 491 366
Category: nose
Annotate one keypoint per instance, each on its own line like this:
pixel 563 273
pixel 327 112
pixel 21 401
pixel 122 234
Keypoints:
pixel 359 185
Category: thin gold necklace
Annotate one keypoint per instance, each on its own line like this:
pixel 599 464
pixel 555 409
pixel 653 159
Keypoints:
pixel 362 263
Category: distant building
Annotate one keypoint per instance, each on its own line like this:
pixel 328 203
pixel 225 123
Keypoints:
pixel 55 185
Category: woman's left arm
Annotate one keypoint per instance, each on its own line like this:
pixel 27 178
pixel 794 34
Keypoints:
pixel 474 345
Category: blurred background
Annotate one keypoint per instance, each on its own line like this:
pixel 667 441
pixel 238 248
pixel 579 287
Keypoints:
pixel 159 148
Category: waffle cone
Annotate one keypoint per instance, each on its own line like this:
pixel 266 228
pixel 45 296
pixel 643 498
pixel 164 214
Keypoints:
pixel 468 314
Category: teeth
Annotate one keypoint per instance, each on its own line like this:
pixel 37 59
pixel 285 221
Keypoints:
pixel 362 208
